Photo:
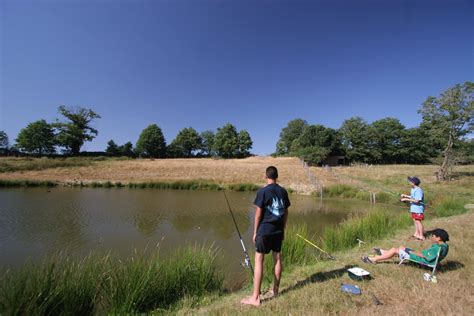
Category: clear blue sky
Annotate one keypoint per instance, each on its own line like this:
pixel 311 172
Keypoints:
pixel 255 64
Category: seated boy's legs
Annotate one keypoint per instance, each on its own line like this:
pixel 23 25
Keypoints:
pixel 388 254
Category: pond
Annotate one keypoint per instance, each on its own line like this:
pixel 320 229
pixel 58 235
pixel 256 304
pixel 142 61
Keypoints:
pixel 38 222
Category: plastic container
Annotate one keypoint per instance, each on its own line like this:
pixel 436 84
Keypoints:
pixel 358 274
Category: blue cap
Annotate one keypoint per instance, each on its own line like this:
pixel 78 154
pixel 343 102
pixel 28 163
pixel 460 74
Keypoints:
pixel 414 180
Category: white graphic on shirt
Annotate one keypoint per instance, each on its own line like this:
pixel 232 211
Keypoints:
pixel 277 208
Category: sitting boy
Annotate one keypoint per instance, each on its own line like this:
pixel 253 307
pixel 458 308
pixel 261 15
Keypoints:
pixel 438 236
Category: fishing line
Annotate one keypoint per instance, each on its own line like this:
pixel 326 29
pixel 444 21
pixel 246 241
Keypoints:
pixel 248 263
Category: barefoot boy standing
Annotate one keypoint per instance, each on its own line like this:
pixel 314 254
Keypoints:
pixel 272 204
pixel 417 206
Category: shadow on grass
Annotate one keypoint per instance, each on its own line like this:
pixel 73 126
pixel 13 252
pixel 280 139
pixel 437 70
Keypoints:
pixel 318 277
pixel 442 267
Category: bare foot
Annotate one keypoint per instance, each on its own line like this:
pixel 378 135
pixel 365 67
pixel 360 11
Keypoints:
pixel 249 300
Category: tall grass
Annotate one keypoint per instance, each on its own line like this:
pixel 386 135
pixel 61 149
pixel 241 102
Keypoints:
pixel 26 183
pixel 105 284
pixel 374 225
pixel 450 206
pixel 24 164
pixel 294 253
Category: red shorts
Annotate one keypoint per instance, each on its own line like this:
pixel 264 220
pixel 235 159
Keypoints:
pixel 418 216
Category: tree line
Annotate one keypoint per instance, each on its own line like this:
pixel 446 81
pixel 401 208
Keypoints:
pixel 41 138
pixel 446 120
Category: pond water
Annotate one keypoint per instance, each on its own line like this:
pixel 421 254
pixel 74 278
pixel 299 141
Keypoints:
pixel 35 223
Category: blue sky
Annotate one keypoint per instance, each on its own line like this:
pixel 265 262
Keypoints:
pixel 202 64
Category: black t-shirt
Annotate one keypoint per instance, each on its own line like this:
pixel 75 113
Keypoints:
pixel 273 200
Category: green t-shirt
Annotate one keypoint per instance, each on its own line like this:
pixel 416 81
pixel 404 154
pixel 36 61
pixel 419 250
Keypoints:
pixel 431 253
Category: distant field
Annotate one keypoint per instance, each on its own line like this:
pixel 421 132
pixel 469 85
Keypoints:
pixel 369 178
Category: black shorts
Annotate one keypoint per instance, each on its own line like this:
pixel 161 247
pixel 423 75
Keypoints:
pixel 266 243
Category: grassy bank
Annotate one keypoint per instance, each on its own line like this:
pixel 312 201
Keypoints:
pixel 37 164
pixel 314 288
pixel 103 284
pixel 26 183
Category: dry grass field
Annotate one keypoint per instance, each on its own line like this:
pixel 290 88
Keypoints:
pixel 222 171
pixel 231 171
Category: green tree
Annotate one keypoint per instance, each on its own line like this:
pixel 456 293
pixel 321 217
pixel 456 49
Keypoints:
pixel 289 134
pixel 315 143
pixel 385 137
pixel 186 143
pixel 37 138
pixel 449 117
pixel 151 142
pixel 413 149
pixel 245 143
pixel 207 145
pixel 354 134
pixel 77 130
pixel 3 140
pixel 227 141
pixel 3 143
pixel 112 148
pixel 127 150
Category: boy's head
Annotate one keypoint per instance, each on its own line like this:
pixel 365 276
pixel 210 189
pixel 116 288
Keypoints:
pixel 439 233
pixel 271 173
pixel 414 180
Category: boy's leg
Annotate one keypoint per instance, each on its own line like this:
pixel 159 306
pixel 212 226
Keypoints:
pixel 277 269
pixel 416 228
pixel 386 254
pixel 419 229
pixel 257 281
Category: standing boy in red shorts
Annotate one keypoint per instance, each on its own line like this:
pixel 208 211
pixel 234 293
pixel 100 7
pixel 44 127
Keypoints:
pixel 417 206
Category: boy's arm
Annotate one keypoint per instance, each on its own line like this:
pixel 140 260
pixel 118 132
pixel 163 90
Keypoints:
pixel 258 218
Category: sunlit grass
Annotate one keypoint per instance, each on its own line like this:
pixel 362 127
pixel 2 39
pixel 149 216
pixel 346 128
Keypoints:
pixel 102 284
pixel 375 225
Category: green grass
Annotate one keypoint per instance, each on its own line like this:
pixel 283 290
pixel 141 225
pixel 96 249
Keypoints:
pixel 26 183
pixel 177 185
pixel 376 224
pixel 450 206
pixel 105 284
pixel 25 164
pixel 243 187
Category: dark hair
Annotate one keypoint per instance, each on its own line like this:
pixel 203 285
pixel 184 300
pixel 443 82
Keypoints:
pixel 272 173
pixel 438 232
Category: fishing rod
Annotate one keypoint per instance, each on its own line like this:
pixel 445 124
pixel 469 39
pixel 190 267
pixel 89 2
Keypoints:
pixel 248 263
pixel 309 242
pixel 383 188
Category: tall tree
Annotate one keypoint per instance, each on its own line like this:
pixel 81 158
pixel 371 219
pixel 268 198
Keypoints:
pixel 385 136
pixel 245 143
pixel 127 149
pixel 354 134
pixel 450 116
pixel 207 145
pixel 112 148
pixel 3 141
pixel 413 149
pixel 186 143
pixel 315 143
pixel 226 142
pixel 151 142
pixel 37 138
pixel 289 134
pixel 73 133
